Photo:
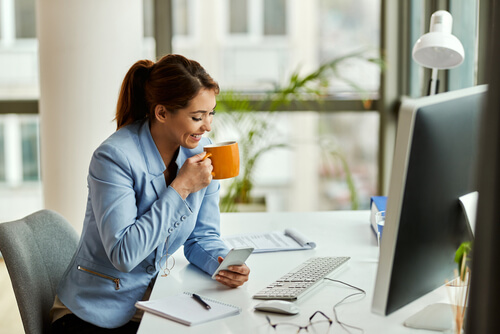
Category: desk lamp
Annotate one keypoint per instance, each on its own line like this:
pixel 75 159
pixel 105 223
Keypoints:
pixel 438 49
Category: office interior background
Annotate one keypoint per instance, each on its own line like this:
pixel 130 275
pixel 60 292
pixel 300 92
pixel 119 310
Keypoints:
pixel 338 151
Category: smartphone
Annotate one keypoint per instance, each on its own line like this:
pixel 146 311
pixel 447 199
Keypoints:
pixel 235 257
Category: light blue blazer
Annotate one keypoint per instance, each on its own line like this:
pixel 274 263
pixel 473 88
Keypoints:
pixel 130 213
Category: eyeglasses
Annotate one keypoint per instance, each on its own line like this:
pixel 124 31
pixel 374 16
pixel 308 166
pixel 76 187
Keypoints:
pixel 166 269
pixel 320 326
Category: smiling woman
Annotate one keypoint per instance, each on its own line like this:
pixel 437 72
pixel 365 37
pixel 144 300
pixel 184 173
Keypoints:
pixel 150 192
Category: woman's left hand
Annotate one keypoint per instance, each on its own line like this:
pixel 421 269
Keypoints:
pixel 235 276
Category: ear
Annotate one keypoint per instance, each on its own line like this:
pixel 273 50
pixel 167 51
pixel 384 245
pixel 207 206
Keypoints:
pixel 161 113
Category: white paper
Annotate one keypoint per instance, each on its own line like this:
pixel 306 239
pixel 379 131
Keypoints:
pixel 274 241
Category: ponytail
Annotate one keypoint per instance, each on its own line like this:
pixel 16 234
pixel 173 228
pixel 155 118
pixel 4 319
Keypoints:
pixel 132 104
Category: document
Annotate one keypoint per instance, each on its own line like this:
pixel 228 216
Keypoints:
pixel 274 241
pixel 188 309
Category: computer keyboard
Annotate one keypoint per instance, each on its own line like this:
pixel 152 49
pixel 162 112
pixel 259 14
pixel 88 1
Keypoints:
pixel 302 279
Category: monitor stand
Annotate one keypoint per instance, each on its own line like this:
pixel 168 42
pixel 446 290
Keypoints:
pixel 435 317
pixel 439 316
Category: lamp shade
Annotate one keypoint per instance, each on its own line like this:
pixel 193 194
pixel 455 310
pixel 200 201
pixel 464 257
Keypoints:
pixel 438 48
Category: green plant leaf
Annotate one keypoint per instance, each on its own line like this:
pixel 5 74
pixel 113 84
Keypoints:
pixel 465 249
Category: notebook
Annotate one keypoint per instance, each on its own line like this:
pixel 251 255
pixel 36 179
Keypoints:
pixel 186 310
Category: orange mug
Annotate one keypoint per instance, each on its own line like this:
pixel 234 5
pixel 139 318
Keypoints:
pixel 225 159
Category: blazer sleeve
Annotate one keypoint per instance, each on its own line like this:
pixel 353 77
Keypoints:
pixel 128 235
pixel 204 245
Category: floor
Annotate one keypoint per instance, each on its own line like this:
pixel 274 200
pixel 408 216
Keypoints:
pixel 10 320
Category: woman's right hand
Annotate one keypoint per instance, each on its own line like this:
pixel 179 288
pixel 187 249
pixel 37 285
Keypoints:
pixel 195 174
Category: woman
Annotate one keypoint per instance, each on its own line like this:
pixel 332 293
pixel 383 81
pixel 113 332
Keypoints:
pixel 150 192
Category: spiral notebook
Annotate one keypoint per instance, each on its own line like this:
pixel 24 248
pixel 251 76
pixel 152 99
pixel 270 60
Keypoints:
pixel 186 310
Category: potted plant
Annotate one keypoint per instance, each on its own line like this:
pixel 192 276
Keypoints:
pixel 256 136
pixel 256 129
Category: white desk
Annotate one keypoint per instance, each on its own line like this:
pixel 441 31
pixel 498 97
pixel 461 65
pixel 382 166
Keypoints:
pixel 336 233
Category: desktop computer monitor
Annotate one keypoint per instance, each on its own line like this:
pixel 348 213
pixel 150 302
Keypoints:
pixel 434 164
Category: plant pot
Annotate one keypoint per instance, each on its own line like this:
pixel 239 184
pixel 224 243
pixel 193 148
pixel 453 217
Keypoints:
pixel 458 292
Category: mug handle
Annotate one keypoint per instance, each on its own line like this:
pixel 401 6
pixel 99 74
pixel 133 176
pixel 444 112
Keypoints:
pixel 208 155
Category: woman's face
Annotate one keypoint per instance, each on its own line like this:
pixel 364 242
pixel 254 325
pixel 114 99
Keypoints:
pixel 187 125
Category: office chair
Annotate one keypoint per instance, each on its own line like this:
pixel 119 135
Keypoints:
pixel 37 249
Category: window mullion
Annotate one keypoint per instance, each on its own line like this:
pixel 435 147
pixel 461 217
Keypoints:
pixel 13 150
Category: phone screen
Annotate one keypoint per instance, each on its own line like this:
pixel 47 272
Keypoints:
pixel 235 257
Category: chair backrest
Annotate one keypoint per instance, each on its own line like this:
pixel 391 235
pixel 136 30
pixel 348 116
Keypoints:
pixel 37 249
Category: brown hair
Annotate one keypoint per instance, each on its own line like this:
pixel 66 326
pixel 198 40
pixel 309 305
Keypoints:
pixel 172 82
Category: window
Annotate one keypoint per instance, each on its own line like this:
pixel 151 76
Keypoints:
pixel 25 18
pixel 30 155
pixel 257 17
pixel 19 149
pixel 180 18
pixel 149 24
pixel 20 187
pixel 252 47
pixel 347 166
pixel 275 17
pixel 347 27
pixel 465 27
pixel 18 56
pixel 238 17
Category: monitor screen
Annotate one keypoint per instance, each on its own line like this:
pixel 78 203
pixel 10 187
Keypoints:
pixel 434 164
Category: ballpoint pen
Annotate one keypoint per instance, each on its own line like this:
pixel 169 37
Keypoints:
pixel 201 301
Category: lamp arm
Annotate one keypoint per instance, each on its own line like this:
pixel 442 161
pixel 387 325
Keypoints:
pixel 433 83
